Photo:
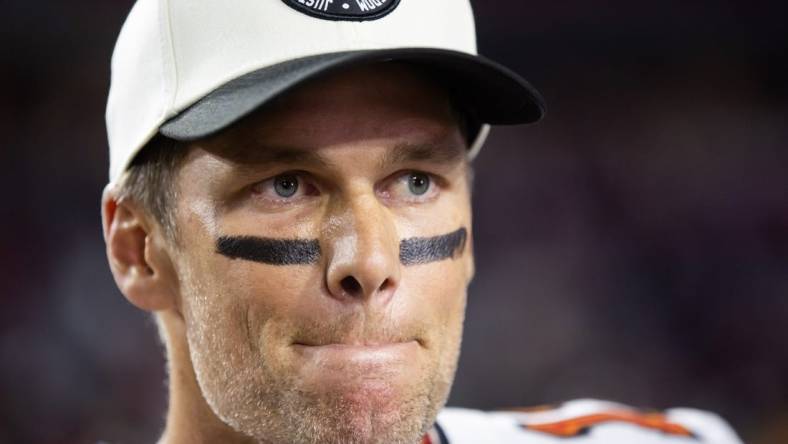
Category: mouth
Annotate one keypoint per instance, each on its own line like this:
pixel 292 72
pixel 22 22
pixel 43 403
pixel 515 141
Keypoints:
pixel 362 354
pixel 371 342
pixel 354 344
pixel 357 346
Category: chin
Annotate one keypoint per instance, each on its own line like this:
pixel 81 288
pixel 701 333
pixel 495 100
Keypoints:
pixel 360 411
pixel 364 423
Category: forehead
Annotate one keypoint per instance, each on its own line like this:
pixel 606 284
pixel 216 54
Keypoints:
pixel 383 100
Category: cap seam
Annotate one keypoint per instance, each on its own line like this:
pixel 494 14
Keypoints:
pixel 169 66
pixel 473 29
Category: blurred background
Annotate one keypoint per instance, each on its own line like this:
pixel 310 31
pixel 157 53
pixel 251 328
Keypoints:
pixel 633 246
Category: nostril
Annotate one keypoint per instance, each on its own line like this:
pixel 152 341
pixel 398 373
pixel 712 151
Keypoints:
pixel 385 285
pixel 351 285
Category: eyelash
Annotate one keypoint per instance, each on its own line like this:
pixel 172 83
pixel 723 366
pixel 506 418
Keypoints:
pixel 268 186
pixel 402 178
pixel 306 187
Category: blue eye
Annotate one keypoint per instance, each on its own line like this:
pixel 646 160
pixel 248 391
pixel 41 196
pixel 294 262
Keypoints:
pixel 286 185
pixel 418 183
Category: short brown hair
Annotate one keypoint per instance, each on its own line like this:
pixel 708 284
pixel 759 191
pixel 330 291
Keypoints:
pixel 150 180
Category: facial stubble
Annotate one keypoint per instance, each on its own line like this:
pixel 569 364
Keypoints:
pixel 249 387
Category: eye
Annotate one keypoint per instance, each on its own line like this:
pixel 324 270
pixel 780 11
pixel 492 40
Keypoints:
pixel 286 185
pixel 284 188
pixel 411 187
pixel 418 183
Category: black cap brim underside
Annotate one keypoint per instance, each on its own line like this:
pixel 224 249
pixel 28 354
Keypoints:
pixel 489 92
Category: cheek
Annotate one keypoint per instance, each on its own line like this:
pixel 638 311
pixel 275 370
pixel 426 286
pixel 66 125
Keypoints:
pixel 261 291
pixel 440 301
pixel 239 318
pixel 214 308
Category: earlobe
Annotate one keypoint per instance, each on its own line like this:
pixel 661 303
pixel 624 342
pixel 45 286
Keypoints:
pixel 141 269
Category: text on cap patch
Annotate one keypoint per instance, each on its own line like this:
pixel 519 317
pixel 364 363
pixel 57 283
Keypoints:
pixel 352 10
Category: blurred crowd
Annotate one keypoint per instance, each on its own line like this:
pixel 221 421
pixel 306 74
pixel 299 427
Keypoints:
pixel 633 246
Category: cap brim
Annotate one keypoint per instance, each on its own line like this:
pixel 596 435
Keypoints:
pixel 491 93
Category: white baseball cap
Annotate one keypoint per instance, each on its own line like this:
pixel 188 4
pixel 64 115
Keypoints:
pixel 187 69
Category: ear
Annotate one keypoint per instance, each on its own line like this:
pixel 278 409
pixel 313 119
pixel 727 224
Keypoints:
pixel 138 254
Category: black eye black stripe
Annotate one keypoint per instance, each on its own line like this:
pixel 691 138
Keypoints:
pixel 422 250
pixel 270 251
pixel 412 251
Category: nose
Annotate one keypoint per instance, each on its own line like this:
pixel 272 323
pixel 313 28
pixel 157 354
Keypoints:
pixel 363 253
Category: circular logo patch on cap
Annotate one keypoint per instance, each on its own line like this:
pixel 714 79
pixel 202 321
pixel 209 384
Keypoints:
pixel 354 10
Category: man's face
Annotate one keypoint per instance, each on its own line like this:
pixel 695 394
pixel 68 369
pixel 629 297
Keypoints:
pixel 349 343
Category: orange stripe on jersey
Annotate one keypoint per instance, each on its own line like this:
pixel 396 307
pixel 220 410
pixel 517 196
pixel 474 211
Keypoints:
pixel 581 424
pixel 534 409
pixel 432 436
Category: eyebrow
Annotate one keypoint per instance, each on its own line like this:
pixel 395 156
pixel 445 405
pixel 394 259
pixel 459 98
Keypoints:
pixel 282 155
pixel 437 152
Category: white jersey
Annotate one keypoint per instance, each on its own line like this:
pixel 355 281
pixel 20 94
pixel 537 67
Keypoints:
pixel 581 422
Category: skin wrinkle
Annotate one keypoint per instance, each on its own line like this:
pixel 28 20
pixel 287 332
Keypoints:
pixel 254 156
pixel 435 151
pixel 248 324
pixel 247 162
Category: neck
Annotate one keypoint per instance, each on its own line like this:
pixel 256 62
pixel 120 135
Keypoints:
pixel 189 418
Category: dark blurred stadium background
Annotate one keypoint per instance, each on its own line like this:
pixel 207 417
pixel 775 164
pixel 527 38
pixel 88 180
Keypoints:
pixel 632 246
